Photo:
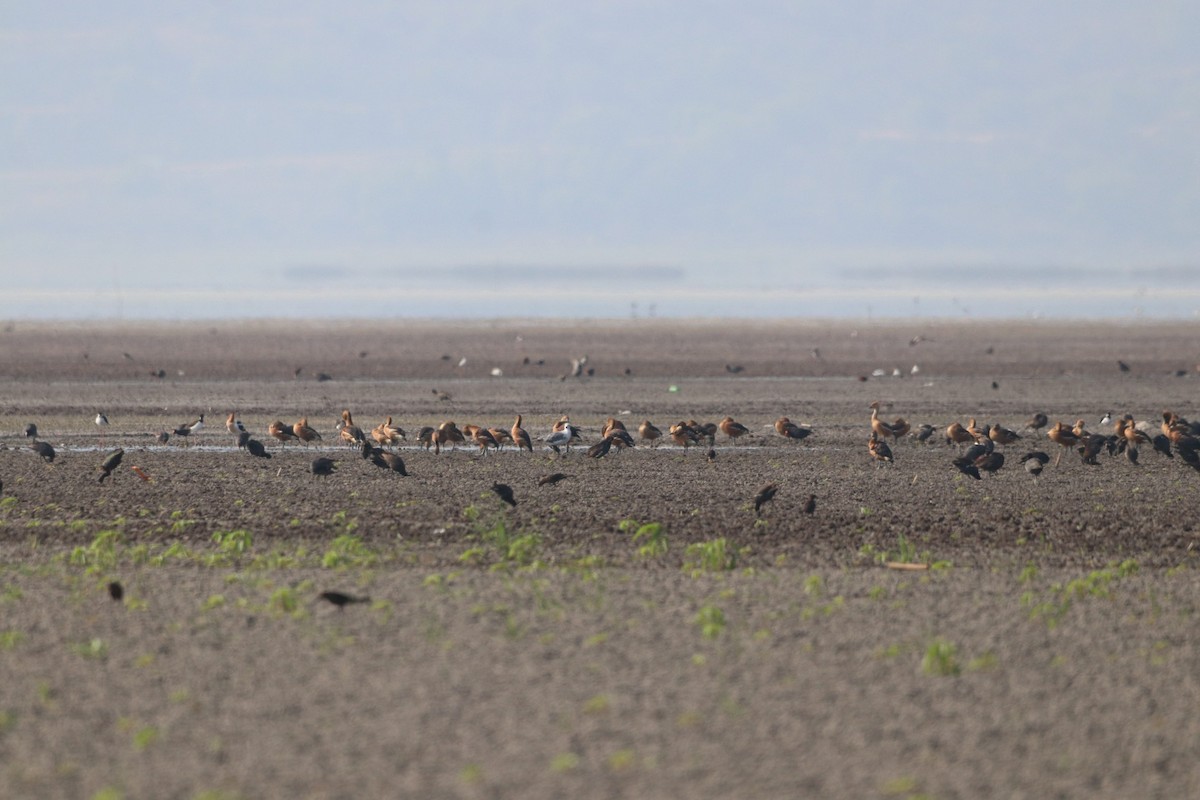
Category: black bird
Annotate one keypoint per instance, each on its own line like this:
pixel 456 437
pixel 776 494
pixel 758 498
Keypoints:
pixel 341 599
pixel 1035 462
pixel 163 437
pixel 256 448
pixel 924 432
pixel 711 455
pixel 1131 453
pixel 389 461
pixel 1162 445
pixel 112 462
pixel 1091 448
pixel 242 438
pixel 967 468
pixel 323 466
pixel 505 493
pixel 991 462
pixel 1121 365
pixel 116 591
pixel 765 495
pixel 44 450
pixel 811 505
pixel 600 449
pixel 31 431
pixel 550 480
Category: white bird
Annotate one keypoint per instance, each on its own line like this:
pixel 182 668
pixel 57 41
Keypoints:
pixel 560 438
pixel 101 420
pixel 1107 418
pixel 197 425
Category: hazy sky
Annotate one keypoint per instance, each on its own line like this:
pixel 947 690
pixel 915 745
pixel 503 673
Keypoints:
pixel 226 145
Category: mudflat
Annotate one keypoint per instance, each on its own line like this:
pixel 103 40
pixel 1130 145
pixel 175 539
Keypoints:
pixel 635 629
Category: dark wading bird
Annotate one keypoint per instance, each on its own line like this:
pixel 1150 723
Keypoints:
pixel 550 480
pixel 505 493
pixel 810 506
pixel 389 461
pixel 1035 462
pixel 116 591
pixel 44 450
pixel 323 466
pixel 341 599
pixel 765 495
pixel 111 463
pixel 600 449
pixel 256 448
pixel 31 431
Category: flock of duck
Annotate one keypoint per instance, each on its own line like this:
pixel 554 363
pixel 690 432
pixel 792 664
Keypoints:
pixel 979 449
pixel 1174 436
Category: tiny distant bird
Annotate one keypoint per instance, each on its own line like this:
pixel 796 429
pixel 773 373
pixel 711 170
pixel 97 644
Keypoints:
pixel 1121 365
pixel 995 385
pixel 810 506
pixel 550 480
pixel 31 431
pixel 341 599
pixel 116 591
pixel 765 495
pixel 44 450
pixel 256 448
pixel 111 462
pixel 323 466
pixel 163 437
pixel 711 455
pixel 505 493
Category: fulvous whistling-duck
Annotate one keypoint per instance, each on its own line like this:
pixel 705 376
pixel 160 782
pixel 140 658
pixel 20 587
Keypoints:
pixel 520 437
pixel 280 431
pixel 450 434
pixel 350 433
pixel 649 432
pixel 1062 436
pixel 1001 435
pixel 976 433
pixel 900 428
pixel 880 428
pixel 389 461
pixel 790 430
pixel 304 432
pixel 732 429
pixel 684 435
pixel 956 434
pixel 483 437
pixel 611 424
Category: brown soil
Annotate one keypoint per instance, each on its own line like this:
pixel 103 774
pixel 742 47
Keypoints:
pixel 549 651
